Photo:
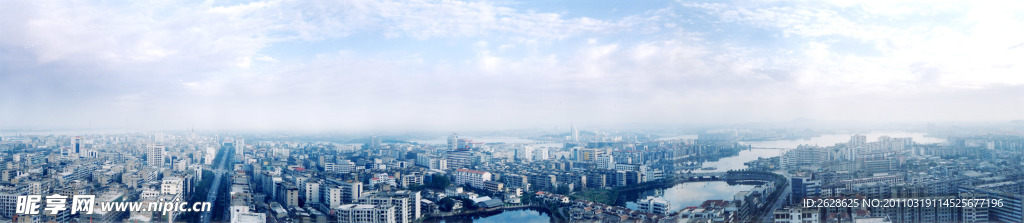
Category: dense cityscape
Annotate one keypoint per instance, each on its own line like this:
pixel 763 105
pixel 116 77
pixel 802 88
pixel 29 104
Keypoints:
pixel 720 175
pixel 522 111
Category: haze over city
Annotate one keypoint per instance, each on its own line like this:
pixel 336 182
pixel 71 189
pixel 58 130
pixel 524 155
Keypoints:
pixel 454 65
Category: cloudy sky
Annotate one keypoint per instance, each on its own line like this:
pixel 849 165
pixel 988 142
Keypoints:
pixel 454 65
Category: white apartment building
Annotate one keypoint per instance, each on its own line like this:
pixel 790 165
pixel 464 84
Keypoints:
pixel 474 178
pixel 312 193
pixel 654 205
pixel 172 186
pixel 365 213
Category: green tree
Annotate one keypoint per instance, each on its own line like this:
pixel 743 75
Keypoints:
pixel 445 204
pixel 528 198
pixel 439 182
pixel 564 190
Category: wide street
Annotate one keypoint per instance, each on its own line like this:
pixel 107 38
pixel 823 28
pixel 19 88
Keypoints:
pixel 218 173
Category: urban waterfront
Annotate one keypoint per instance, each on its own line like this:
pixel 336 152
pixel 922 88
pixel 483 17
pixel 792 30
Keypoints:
pixel 737 162
pixel 694 193
pixel 691 194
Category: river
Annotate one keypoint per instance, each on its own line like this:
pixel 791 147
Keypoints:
pixel 736 162
pixel 518 215
pixel 694 193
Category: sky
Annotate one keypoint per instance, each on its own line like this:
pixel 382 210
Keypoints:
pixel 470 65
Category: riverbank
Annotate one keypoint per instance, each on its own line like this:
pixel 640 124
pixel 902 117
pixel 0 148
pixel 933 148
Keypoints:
pixel 474 215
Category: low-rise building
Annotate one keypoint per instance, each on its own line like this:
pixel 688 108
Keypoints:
pixel 654 205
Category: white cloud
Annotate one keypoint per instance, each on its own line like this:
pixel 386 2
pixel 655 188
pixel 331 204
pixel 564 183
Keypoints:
pixel 960 44
pixel 497 64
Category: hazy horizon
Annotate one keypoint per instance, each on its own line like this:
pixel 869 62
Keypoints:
pixel 366 66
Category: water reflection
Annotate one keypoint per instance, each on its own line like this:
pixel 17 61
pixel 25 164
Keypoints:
pixel 519 215
pixel 694 193
pixel 737 162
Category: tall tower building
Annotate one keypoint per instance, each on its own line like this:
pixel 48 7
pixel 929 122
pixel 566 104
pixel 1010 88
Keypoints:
pixel 453 141
pixel 78 147
pixel 575 134
pixel 239 147
pixel 155 155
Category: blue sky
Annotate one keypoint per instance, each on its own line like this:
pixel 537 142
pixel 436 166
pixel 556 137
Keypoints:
pixel 472 65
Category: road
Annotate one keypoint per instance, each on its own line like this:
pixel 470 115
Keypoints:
pixel 227 211
pixel 778 203
pixel 218 173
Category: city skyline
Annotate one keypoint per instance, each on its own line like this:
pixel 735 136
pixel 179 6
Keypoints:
pixel 458 66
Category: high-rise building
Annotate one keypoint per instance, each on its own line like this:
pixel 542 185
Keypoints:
pixel 239 147
pixel 605 161
pixel 803 156
pixel 291 196
pixel 575 134
pixel 312 193
pixel 804 187
pixel 453 141
pixel 155 155
pixel 211 154
pixel 524 153
pixel 79 150
pixel 1008 192
pixel 976 213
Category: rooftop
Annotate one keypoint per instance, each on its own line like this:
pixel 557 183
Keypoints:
pixel 356 206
